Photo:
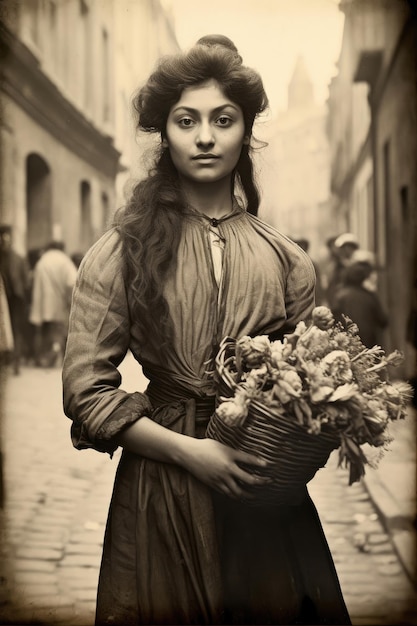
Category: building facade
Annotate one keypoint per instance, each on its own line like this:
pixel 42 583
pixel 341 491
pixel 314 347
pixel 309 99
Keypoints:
pixel 373 139
pixel 294 168
pixel 68 70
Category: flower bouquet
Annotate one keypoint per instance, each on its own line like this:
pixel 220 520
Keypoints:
pixel 293 402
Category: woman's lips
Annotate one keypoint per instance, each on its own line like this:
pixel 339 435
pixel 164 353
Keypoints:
pixel 205 157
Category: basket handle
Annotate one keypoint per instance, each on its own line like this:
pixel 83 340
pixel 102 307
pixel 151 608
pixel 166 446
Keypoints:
pixel 228 355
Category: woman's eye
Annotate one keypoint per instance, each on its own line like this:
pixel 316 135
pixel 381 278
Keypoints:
pixel 186 122
pixel 224 121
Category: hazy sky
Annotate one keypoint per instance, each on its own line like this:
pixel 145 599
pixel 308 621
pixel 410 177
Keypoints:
pixel 269 35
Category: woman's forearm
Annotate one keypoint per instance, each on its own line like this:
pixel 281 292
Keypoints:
pixel 148 439
pixel 211 462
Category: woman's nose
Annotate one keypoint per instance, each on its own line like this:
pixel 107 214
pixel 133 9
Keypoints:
pixel 205 135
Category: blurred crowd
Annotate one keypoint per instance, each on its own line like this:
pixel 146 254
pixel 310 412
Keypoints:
pixel 35 296
pixel 347 282
pixel 35 300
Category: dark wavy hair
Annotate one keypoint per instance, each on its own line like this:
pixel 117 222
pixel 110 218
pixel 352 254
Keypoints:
pixel 150 223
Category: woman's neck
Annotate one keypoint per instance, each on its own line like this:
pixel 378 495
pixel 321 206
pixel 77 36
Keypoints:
pixel 214 200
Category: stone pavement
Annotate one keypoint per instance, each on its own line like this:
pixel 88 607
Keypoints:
pixel 57 500
pixel 393 489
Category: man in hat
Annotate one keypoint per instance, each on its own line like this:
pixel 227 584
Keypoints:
pixel 344 246
pixel 361 304
pixel 14 271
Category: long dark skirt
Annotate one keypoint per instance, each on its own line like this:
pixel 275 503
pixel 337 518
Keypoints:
pixel 175 553
pixel 276 566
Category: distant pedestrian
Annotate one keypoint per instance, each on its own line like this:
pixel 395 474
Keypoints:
pixel 361 304
pixel 319 292
pixel 53 281
pixel 343 248
pixel 14 270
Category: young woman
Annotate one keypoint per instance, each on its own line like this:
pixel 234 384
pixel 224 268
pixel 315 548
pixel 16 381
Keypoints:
pixel 187 263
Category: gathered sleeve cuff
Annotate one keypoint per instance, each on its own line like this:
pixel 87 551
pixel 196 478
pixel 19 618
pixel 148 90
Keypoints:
pixel 98 340
pixel 135 406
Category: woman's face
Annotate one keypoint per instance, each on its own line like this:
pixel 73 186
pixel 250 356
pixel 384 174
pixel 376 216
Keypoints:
pixel 205 132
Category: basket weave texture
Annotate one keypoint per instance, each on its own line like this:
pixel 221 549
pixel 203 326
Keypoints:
pixel 293 454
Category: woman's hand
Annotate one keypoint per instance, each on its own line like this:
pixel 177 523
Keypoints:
pixel 213 463
pixel 218 466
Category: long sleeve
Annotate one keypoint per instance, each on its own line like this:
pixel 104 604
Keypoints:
pixel 300 291
pixel 299 277
pixel 98 339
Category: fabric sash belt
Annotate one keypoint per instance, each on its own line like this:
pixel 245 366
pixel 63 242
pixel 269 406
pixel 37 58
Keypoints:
pixel 204 405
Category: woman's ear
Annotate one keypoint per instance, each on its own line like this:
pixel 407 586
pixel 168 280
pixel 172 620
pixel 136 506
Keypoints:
pixel 246 140
pixel 164 143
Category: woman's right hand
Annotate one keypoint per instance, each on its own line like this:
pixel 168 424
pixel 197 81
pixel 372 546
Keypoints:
pixel 211 462
pixel 219 467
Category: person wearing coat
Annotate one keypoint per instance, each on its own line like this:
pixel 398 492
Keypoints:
pixel 360 303
pixel 53 281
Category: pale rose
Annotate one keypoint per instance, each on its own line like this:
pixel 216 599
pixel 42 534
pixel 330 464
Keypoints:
pixel 314 338
pixel 292 378
pixel 315 371
pixel 287 387
pixel 280 351
pixel 253 350
pixel 337 365
pixel 322 317
pixel 253 380
pixel 234 411
pixel 320 385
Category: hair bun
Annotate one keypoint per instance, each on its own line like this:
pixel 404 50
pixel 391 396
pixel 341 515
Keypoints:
pixel 219 40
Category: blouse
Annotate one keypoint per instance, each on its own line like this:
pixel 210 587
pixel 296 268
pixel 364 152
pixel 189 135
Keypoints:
pixel 267 287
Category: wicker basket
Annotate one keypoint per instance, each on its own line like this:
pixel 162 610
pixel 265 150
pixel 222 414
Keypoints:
pixel 293 454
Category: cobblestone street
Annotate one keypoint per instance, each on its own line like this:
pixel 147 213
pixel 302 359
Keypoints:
pixel 56 507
